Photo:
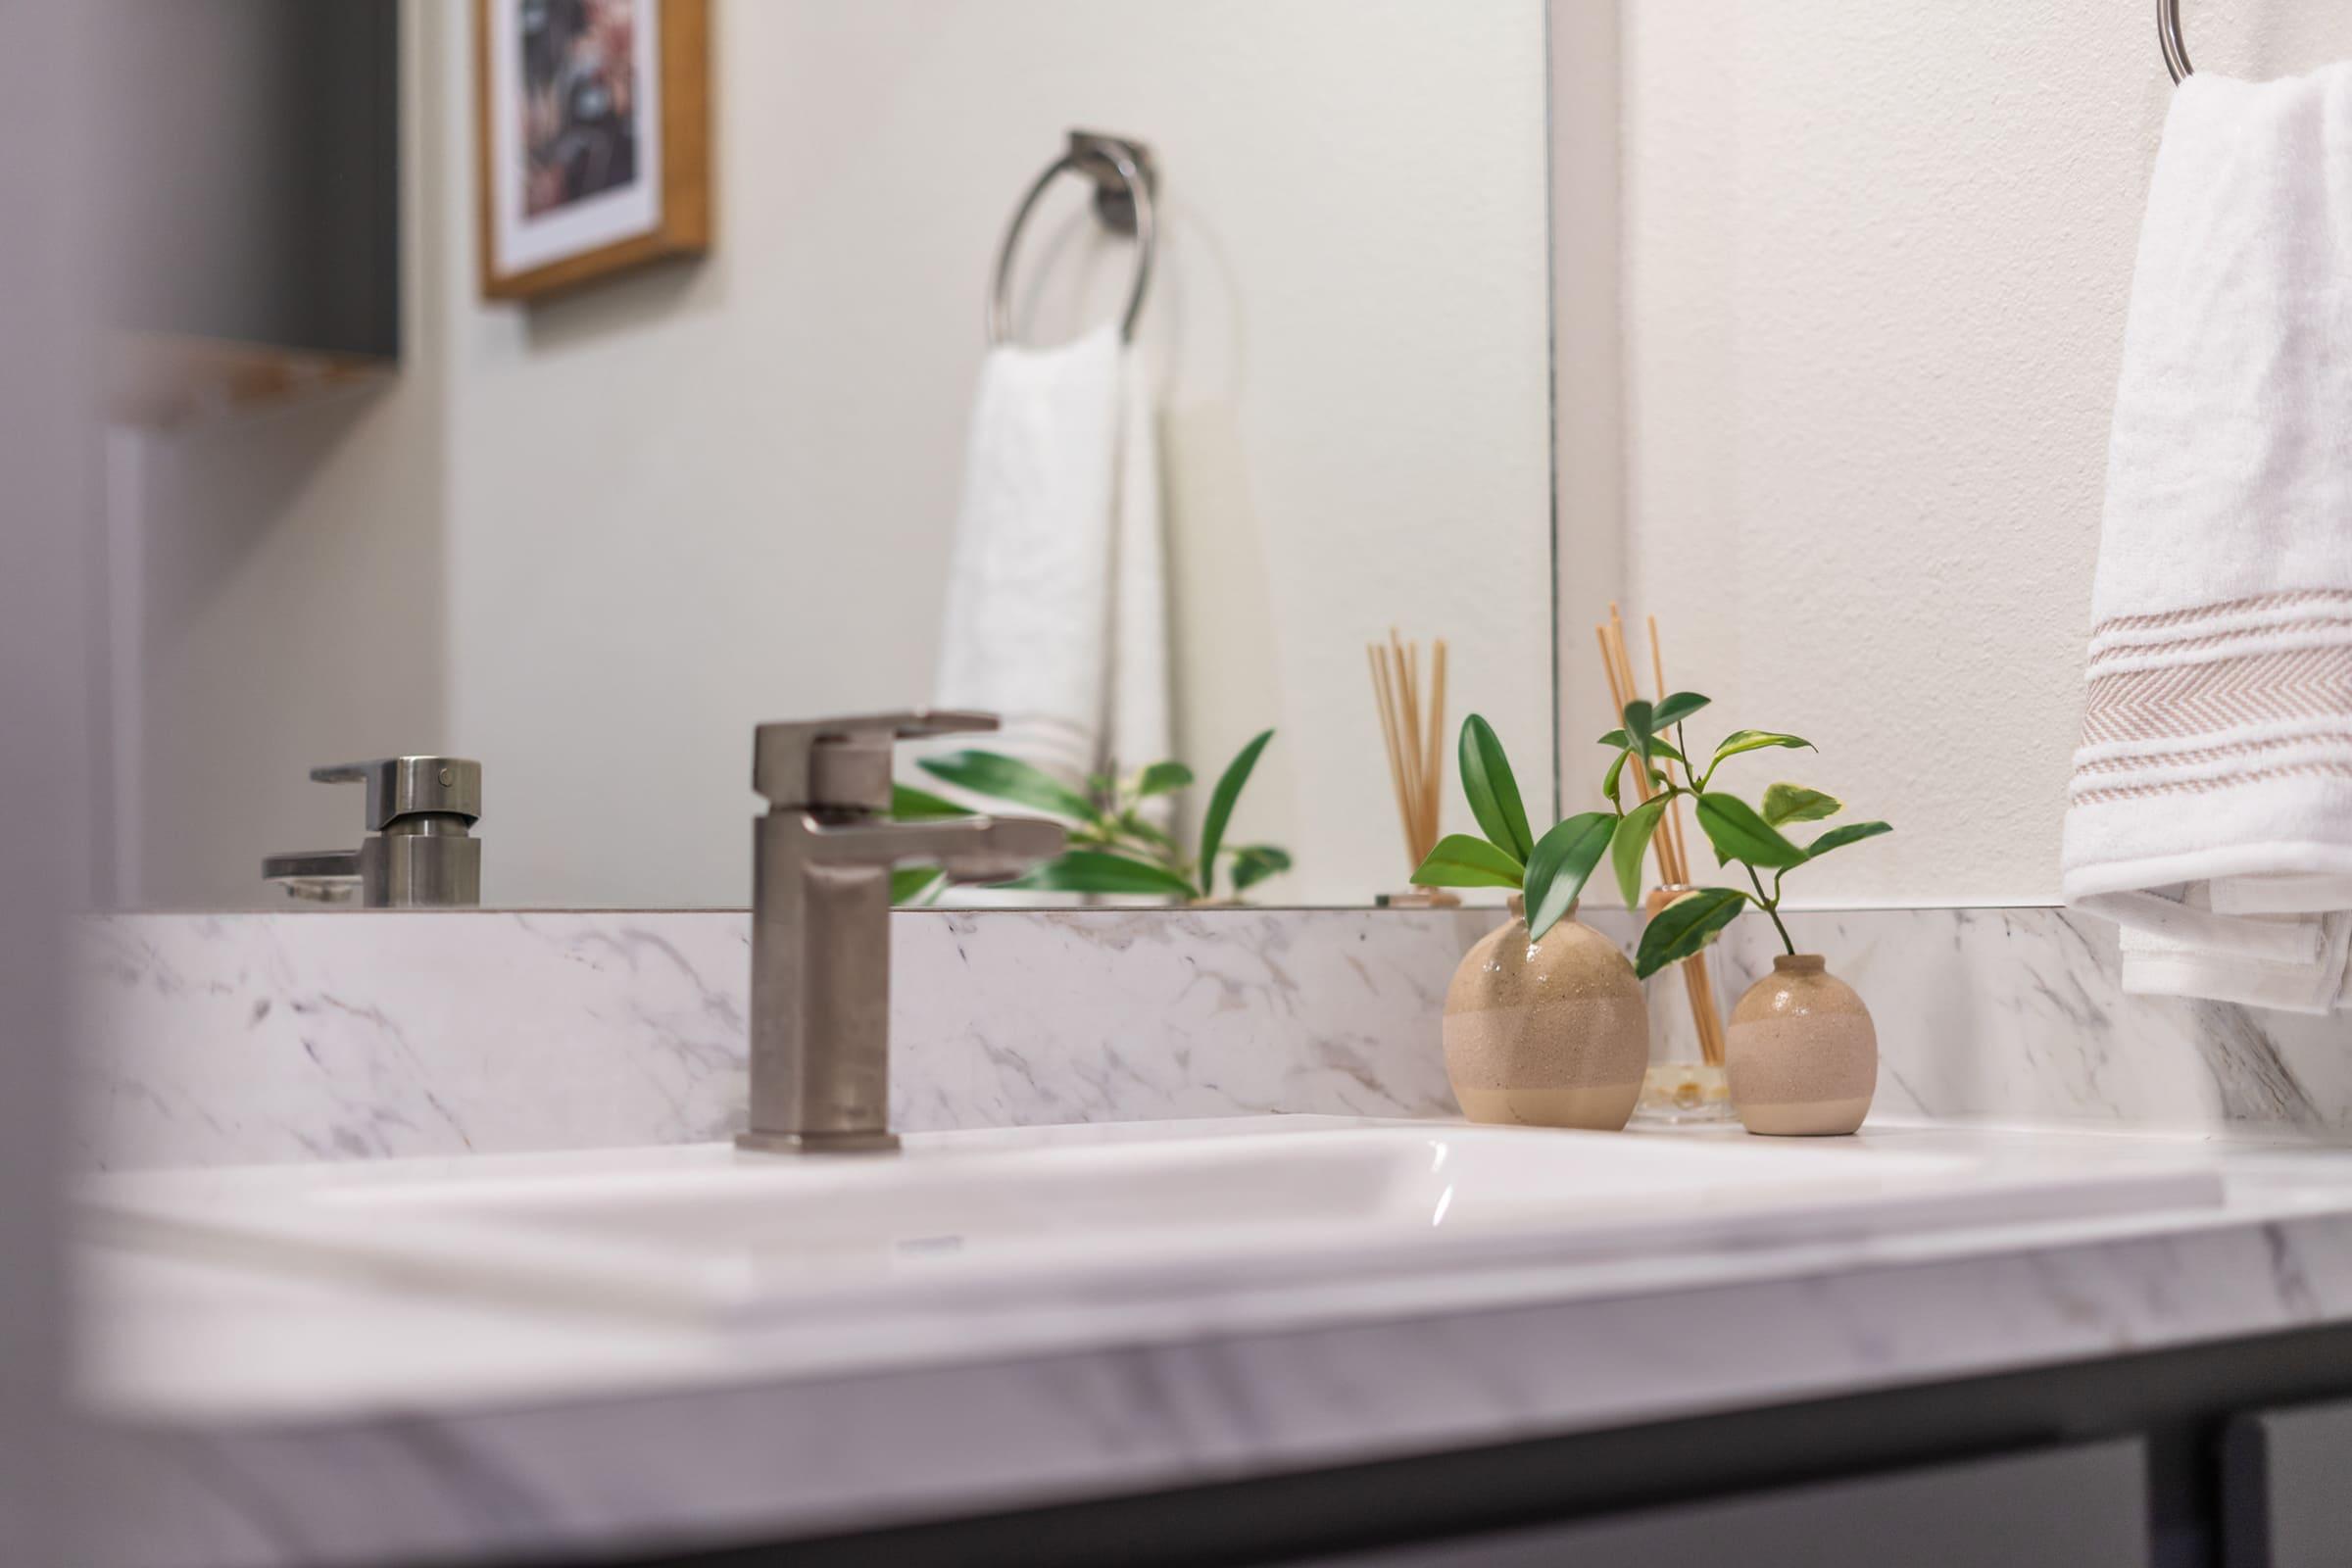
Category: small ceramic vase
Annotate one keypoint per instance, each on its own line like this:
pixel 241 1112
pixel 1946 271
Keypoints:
pixel 1802 1053
pixel 1552 1034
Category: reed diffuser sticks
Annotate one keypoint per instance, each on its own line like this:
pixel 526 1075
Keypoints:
pixel 1412 721
pixel 1674 869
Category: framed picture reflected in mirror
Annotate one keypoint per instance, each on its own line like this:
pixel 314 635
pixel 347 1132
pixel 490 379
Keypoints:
pixel 594 146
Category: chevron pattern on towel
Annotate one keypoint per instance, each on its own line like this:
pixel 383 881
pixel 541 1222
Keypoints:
pixel 2193 701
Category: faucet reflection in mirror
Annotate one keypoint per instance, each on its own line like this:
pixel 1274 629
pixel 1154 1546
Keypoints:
pixel 824 853
pixel 418 851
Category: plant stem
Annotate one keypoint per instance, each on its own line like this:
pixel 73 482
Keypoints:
pixel 1771 907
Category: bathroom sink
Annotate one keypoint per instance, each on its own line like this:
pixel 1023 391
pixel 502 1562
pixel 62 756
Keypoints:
pixel 713 1232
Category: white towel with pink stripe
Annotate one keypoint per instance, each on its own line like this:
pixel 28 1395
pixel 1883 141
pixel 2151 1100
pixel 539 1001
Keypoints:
pixel 2211 808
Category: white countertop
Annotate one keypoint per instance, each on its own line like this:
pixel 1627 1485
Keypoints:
pixel 253 1419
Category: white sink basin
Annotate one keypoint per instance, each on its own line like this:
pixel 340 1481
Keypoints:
pixel 710 1233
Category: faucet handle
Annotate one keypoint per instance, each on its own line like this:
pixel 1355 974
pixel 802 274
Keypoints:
pixel 844 764
pixel 412 786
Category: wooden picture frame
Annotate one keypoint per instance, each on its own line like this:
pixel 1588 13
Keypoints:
pixel 566 200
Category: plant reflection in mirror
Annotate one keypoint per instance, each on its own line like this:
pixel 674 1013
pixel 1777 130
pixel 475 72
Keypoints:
pixel 1114 848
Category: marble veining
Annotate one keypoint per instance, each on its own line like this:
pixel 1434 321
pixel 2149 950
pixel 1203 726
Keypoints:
pixel 248 1038
pixel 723 1444
pixel 2018 1015
pixel 225 1038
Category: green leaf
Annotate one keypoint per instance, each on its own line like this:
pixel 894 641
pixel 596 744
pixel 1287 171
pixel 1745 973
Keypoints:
pixel 1754 740
pixel 1461 860
pixel 1838 838
pixel 1161 777
pixel 1656 748
pixel 1793 803
pixel 1008 778
pixel 916 884
pixel 1220 808
pixel 1630 843
pixel 1641 726
pixel 1684 927
pixel 1563 862
pixel 1100 871
pixel 1737 833
pixel 910 805
pixel 1674 710
pixel 1608 784
pixel 1252 863
pixel 1493 791
pixel 1132 827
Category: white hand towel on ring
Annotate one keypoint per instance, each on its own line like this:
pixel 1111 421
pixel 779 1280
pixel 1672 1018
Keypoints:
pixel 2211 808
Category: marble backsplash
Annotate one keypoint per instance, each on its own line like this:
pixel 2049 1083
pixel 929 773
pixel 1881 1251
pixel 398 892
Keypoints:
pixel 236 1038
pixel 224 1039
pixel 2019 1016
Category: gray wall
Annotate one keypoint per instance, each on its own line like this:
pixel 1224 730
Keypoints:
pixel 46 457
pixel 255 143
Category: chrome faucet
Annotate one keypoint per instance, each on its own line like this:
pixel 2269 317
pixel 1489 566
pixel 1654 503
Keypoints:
pixel 418 851
pixel 820 919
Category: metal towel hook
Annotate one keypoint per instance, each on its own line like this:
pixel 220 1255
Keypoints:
pixel 2167 38
pixel 1125 183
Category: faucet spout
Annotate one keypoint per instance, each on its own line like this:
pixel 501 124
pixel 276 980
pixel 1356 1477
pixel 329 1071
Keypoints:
pixel 969 849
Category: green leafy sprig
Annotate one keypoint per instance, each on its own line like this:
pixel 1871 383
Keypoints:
pixel 1112 848
pixel 1743 835
pixel 1547 872
pixel 1550 872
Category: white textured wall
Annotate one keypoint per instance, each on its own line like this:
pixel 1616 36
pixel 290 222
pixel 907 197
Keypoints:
pixel 1875 265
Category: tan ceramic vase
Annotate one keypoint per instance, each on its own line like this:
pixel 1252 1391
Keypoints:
pixel 1802 1053
pixel 1552 1035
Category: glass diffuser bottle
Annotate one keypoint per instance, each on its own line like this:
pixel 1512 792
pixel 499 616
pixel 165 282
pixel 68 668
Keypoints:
pixel 1685 1084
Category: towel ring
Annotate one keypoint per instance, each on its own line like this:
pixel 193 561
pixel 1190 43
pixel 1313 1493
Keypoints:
pixel 1124 183
pixel 2167 38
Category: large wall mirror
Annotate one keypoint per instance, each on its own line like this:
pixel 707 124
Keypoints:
pixel 441 446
